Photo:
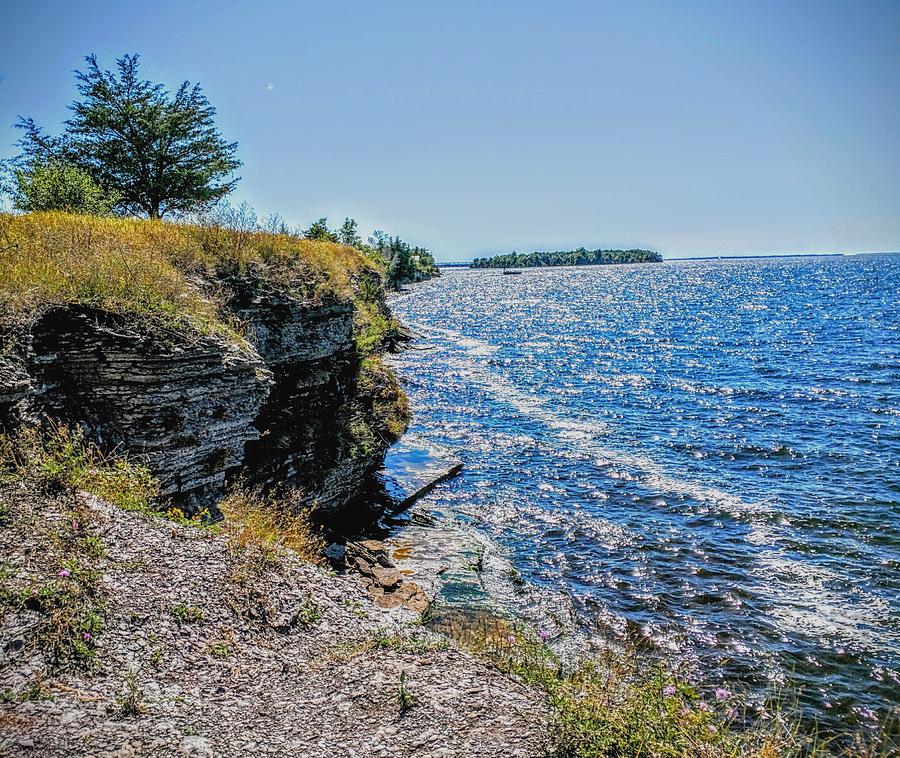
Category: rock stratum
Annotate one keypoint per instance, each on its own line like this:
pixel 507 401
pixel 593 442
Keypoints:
pixel 276 408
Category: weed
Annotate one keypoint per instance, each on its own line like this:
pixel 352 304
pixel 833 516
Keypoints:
pixel 131 701
pixel 220 649
pixel 405 698
pixel 259 527
pixel 309 613
pixel 156 655
pixel 94 547
pixel 186 614
pixel 416 645
pixel 355 608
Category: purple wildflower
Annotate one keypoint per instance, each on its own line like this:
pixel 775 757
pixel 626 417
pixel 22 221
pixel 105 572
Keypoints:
pixel 722 693
pixel 543 634
pixel 64 573
pixel 86 636
pixel 669 690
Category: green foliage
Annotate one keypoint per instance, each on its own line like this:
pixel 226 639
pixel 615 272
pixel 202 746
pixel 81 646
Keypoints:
pixel 60 186
pixel 318 230
pixel 381 411
pixel 160 152
pixel 130 703
pixel 621 704
pixel 348 234
pixel 580 257
pixel 186 614
pixel 220 650
pixel 64 457
pixel 70 602
pixel 309 613
pixel 405 263
pixel 405 698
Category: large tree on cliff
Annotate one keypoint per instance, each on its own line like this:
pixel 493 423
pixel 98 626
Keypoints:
pixel 161 153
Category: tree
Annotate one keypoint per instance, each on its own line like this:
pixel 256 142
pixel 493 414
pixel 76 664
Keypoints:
pixel 318 230
pixel 59 186
pixel 348 234
pixel 161 153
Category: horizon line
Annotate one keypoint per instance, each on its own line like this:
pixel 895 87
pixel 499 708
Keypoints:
pixel 705 257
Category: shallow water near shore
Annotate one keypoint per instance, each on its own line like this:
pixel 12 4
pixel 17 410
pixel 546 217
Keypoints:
pixel 701 455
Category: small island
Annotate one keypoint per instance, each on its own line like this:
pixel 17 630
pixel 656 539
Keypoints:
pixel 579 257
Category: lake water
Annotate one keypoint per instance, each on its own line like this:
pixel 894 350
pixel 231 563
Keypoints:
pixel 704 455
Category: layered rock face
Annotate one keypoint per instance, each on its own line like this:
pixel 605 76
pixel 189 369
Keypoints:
pixel 303 427
pixel 202 409
pixel 183 404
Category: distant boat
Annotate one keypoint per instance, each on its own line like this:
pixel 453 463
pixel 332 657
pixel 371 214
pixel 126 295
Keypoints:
pixel 510 272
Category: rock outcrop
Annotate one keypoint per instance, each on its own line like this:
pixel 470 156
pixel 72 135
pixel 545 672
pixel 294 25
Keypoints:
pixel 182 403
pixel 303 428
pixel 199 409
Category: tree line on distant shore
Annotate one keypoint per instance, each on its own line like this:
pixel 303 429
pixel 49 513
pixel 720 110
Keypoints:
pixel 579 257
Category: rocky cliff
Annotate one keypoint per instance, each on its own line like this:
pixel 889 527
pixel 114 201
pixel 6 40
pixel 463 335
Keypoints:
pixel 291 403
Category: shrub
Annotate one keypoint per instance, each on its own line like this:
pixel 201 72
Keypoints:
pixel 60 186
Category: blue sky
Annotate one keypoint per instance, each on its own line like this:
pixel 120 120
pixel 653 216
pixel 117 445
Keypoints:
pixel 693 128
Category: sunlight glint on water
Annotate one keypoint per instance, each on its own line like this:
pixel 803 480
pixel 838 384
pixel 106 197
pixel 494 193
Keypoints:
pixel 705 454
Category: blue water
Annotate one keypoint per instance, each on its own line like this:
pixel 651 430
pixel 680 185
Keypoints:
pixel 704 455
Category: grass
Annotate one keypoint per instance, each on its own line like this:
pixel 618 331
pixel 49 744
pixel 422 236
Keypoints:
pixel 263 526
pixel 61 457
pixel 621 704
pixel 150 268
pixel 186 614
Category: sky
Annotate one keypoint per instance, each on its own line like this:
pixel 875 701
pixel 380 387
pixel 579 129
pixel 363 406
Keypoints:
pixel 691 128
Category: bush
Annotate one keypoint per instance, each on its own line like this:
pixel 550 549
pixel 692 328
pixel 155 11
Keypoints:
pixel 60 186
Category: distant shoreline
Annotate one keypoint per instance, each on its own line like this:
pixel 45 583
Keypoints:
pixel 468 264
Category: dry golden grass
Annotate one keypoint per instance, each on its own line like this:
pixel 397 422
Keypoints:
pixel 150 267
pixel 266 525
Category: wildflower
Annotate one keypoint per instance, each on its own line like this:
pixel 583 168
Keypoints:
pixel 702 706
pixel 722 693
pixel 74 526
pixel 669 690
pixel 543 634
pixel 511 638
pixel 64 573
pixel 86 636
pixel 731 713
